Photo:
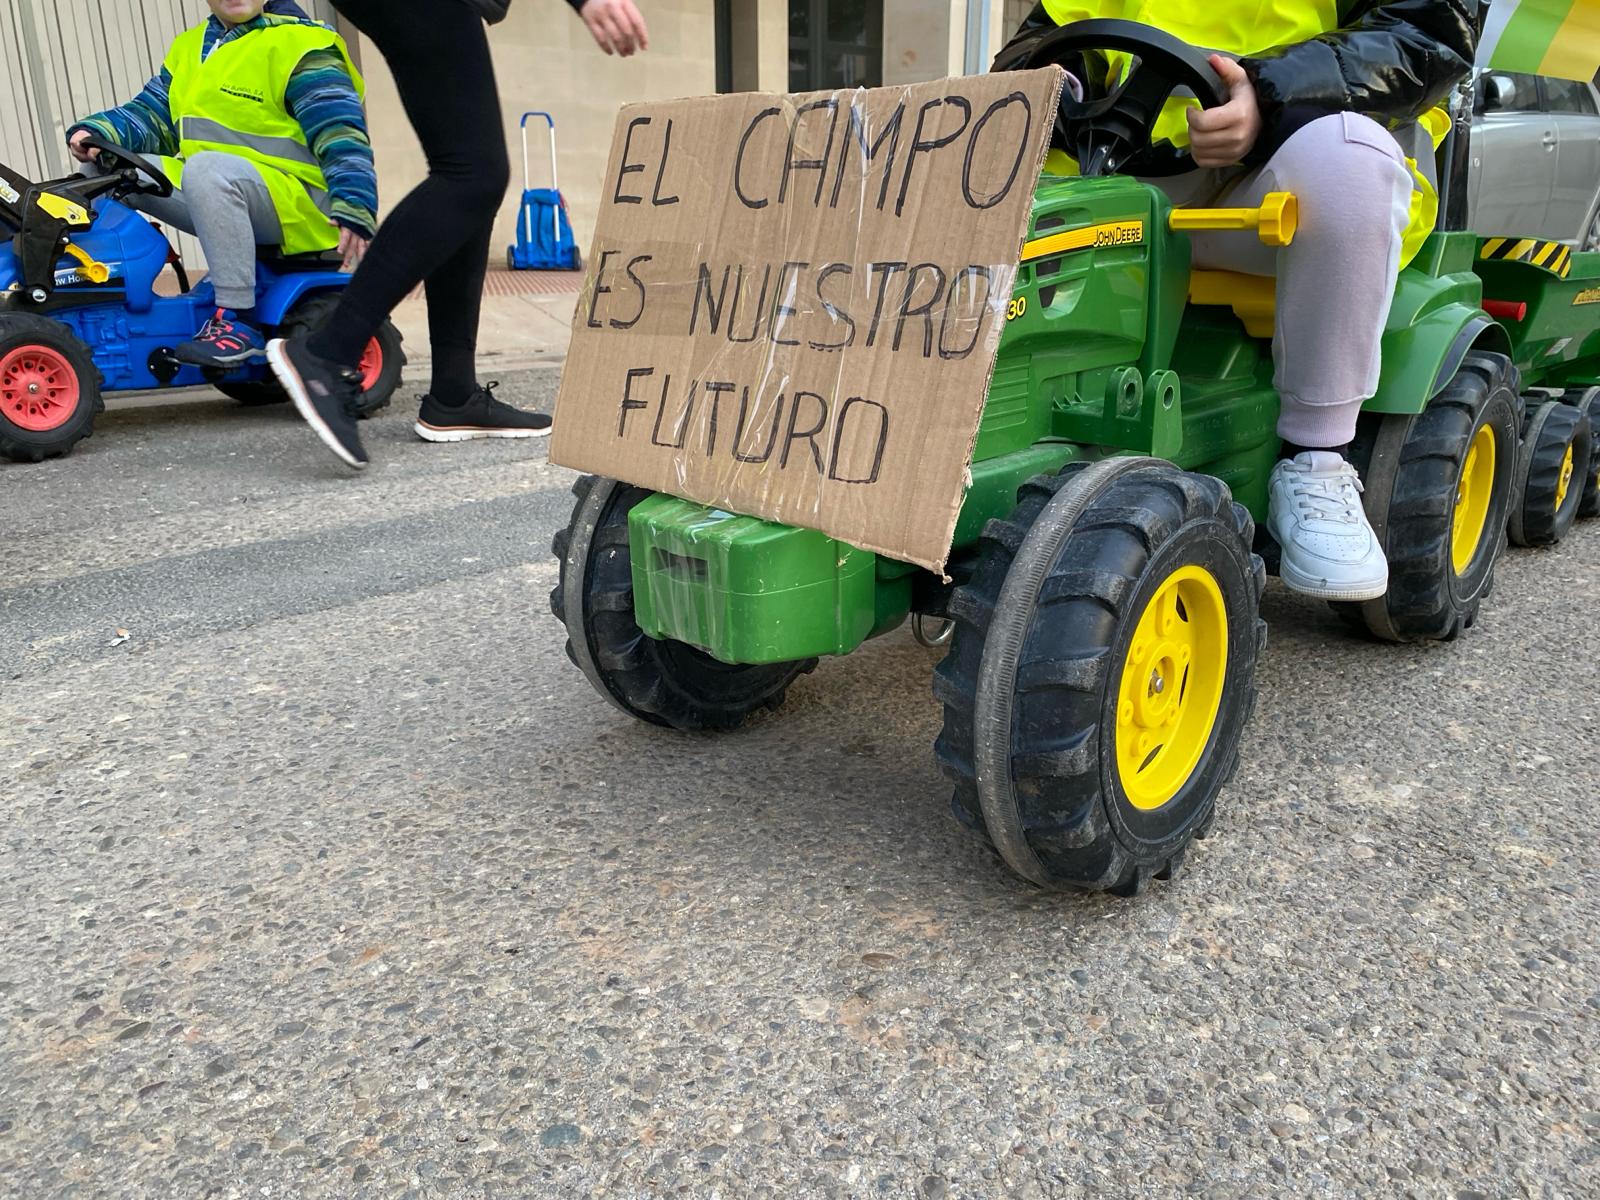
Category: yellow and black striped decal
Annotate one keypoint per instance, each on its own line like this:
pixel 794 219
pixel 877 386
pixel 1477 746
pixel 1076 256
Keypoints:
pixel 1111 233
pixel 1552 256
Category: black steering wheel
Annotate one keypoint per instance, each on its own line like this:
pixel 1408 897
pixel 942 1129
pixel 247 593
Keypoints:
pixel 1112 134
pixel 136 173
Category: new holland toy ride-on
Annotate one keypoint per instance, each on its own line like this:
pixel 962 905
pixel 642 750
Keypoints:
pixel 80 315
pixel 1106 576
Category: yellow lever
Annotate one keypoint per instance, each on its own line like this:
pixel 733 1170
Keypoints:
pixel 1275 221
pixel 94 270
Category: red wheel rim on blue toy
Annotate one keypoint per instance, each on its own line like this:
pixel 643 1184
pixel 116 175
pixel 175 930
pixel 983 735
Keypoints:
pixel 39 389
pixel 371 364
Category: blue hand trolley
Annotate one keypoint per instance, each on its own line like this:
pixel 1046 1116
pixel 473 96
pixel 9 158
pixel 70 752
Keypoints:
pixel 544 234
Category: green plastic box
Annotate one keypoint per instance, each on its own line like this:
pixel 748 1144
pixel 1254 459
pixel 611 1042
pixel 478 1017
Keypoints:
pixel 746 590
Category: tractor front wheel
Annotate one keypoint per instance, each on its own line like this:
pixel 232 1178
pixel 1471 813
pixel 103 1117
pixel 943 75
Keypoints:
pixel 1438 494
pixel 656 680
pixel 1102 672
pixel 1552 472
pixel 49 388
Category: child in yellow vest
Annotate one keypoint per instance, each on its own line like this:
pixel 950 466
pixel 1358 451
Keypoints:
pixel 1330 100
pixel 256 117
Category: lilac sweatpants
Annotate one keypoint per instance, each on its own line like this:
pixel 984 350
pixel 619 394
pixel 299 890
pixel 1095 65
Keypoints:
pixel 1336 280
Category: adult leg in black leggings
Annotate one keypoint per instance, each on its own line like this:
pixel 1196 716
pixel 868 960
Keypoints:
pixel 439 56
pixel 438 53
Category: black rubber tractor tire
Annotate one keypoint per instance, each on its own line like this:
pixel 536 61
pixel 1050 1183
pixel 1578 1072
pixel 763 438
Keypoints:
pixel 1588 402
pixel 307 315
pixel 660 681
pixel 1548 488
pixel 1034 676
pixel 67 355
pixel 1412 467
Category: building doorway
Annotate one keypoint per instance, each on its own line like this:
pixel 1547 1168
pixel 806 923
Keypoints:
pixel 835 44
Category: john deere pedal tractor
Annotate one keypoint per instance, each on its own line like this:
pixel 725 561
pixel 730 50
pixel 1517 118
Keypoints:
pixel 1103 615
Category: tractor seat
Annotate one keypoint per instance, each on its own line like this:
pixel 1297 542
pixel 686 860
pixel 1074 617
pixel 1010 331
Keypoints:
pixel 284 264
pixel 1253 298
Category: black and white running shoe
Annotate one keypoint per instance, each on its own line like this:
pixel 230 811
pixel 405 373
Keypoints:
pixel 480 415
pixel 326 395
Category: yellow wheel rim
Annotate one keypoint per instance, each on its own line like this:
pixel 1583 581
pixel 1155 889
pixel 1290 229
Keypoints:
pixel 1474 490
pixel 1171 688
pixel 1564 481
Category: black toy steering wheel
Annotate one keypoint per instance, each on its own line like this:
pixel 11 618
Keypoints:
pixel 137 174
pixel 1112 134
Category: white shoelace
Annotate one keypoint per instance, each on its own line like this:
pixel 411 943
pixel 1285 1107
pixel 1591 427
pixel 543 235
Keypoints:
pixel 1329 497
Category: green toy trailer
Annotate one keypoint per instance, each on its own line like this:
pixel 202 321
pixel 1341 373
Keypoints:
pixel 1102 612
pixel 1549 301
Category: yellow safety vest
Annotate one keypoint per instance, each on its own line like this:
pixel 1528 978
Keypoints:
pixel 1242 30
pixel 233 101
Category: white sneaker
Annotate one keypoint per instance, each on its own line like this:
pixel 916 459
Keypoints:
pixel 1314 511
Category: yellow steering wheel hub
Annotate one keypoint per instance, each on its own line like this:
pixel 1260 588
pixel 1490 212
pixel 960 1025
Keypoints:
pixel 1564 480
pixel 1171 688
pixel 1474 490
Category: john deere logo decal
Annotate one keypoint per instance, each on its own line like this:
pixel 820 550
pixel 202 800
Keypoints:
pixel 1112 233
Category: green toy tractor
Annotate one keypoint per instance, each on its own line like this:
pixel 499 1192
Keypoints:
pixel 1106 572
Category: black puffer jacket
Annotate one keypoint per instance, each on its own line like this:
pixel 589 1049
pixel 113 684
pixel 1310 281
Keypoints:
pixel 1392 62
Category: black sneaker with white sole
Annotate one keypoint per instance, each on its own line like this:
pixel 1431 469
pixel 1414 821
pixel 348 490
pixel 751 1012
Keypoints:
pixel 480 415
pixel 327 395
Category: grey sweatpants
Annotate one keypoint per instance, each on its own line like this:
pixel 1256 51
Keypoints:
pixel 1336 280
pixel 225 203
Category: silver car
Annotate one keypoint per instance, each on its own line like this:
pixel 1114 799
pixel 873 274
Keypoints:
pixel 1536 159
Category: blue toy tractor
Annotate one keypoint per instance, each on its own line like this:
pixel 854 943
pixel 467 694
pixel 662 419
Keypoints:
pixel 80 315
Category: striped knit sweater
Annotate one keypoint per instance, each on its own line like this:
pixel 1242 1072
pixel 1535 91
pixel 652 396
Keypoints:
pixel 320 95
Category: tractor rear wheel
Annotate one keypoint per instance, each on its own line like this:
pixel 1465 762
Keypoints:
pixel 656 680
pixel 1552 469
pixel 49 388
pixel 1438 494
pixel 1102 672
pixel 382 362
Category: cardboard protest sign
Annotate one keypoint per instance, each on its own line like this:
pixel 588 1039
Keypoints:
pixel 793 302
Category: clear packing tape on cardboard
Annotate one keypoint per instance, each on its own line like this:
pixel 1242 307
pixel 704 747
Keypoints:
pixel 793 303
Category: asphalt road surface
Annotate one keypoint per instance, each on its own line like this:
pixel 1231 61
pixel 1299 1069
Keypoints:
pixel 323 873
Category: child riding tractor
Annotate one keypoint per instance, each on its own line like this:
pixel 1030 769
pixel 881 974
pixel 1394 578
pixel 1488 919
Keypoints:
pixel 256 118
pixel 252 137
pixel 1155 394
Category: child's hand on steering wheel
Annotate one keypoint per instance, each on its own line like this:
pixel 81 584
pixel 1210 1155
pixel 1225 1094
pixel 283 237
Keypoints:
pixel 1221 137
pixel 76 144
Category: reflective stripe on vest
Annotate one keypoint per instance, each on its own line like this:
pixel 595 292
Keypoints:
pixel 204 129
pixel 232 102
pixel 1240 30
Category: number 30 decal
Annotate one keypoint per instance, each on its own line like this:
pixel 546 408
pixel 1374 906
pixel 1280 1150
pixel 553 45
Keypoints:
pixel 1018 306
